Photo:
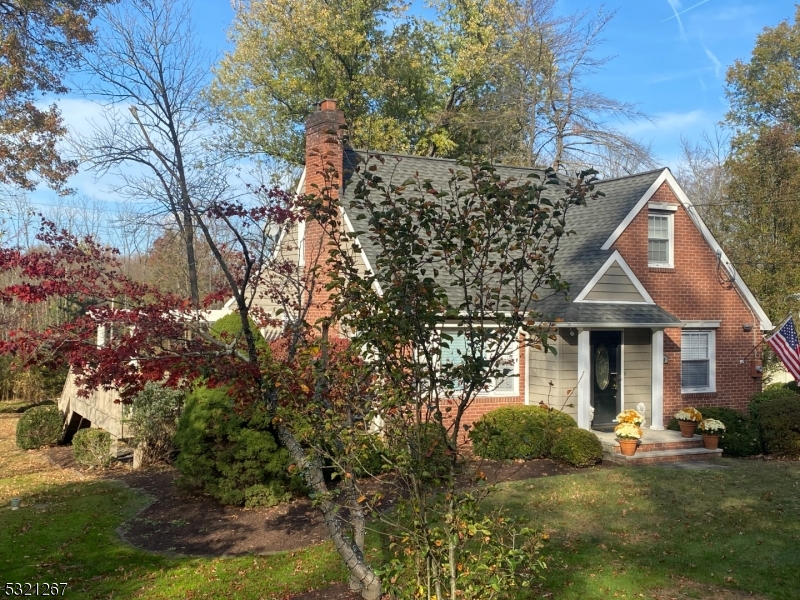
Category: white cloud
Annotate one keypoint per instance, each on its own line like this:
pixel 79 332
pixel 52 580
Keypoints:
pixel 666 123
pixel 715 60
pixel 667 77
pixel 675 5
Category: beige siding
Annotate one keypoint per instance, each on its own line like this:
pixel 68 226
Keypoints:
pixel 637 358
pixel 560 369
pixel 101 408
pixel 615 285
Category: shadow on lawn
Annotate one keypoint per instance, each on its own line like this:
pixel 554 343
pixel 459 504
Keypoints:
pixel 668 533
pixel 68 533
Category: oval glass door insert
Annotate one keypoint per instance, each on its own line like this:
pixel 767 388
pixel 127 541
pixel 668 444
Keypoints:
pixel 601 366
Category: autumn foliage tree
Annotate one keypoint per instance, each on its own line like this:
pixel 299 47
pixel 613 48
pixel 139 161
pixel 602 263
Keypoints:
pixel 492 237
pixel 40 41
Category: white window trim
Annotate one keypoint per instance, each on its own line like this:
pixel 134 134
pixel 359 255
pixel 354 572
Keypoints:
pixel 493 392
pixel 671 241
pixel 712 362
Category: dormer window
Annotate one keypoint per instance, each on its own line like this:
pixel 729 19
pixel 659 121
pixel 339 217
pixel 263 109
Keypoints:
pixel 660 236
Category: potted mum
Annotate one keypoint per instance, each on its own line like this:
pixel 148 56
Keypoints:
pixel 631 416
pixel 688 418
pixel 711 430
pixel 628 436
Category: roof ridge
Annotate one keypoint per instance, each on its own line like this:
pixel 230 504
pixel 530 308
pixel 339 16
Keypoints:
pixel 439 158
pixel 650 172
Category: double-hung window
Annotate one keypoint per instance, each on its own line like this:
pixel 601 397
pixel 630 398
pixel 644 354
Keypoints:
pixel 659 239
pixel 509 364
pixel 698 361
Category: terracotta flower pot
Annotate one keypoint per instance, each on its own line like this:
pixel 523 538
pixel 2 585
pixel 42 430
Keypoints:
pixel 710 442
pixel 627 447
pixel 687 428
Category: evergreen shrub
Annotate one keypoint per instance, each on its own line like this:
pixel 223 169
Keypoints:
pixel 418 447
pixel 153 417
pixel 39 426
pixel 232 456
pixel 741 437
pixel 516 432
pixel 779 422
pixel 92 447
pixel 578 447
pixel 773 392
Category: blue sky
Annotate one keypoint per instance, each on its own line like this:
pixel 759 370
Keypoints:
pixel 670 58
pixel 673 67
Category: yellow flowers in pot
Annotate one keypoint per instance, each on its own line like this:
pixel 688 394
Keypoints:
pixel 689 414
pixel 711 427
pixel 628 431
pixel 631 416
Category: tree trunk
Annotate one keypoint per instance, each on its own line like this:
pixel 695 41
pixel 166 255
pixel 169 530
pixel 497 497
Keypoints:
pixel 312 472
pixel 188 237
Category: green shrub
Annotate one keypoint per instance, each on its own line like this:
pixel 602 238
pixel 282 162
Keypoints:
pixel 230 326
pixel 779 422
pixel 417 447
pixel 153 417
pixel 771 393
pixel 272 494
pixel 369 455
pixel 741 437
pixel 39 426
pixel 92 448
pixel 789 385
pixel 231 456
pixel 578 447
pixel 518 432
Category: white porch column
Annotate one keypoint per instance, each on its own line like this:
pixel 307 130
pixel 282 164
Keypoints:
pixel 527 383
pixel 584 380
pixel 657 380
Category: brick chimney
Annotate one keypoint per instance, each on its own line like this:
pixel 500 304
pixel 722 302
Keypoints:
pixel 325 131
pixel 325 148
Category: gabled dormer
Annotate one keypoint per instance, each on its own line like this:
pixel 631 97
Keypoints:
pixel 615 283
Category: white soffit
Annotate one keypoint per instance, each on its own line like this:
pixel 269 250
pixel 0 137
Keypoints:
pixel 615 258
pixel 301 184
pixel 667 177
pixel 376 286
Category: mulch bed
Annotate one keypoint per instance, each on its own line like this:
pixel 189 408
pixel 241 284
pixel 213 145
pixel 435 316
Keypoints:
pixel 181 523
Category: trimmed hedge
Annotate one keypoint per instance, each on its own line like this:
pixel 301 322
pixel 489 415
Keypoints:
pixel 779 422
pixel 231 456
pixel 92 448
pixel 741 437
pixel 773 392
pixel 516 432
pixel 39 426
pixel 578 447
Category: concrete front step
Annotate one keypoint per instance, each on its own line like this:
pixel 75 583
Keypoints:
pixel 663 456
pixel 657 447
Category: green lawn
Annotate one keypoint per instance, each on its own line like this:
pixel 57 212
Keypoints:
pixel 66 531
pixel 660 532
pixel 646 532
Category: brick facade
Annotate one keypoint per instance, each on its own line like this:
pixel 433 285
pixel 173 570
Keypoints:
pixel 696 289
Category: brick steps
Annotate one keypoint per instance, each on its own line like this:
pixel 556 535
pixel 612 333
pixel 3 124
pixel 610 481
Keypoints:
pixel 658 447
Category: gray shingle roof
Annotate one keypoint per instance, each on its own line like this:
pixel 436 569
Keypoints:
pixel 579 256
pixel 616 314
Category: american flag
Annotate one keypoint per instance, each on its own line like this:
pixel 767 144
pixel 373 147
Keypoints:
pixel 784 342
